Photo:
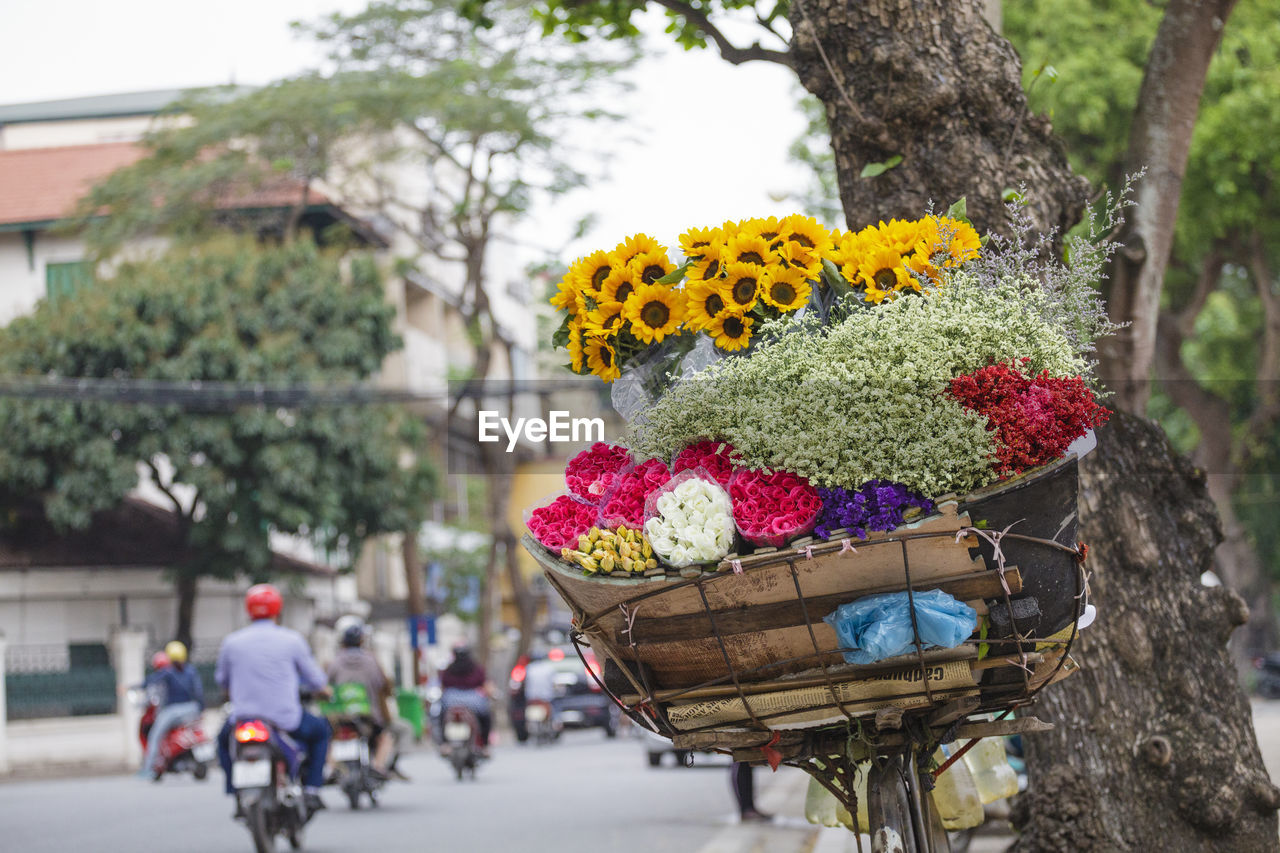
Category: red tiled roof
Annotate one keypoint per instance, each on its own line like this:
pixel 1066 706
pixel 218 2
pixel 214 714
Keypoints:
pixel 44 184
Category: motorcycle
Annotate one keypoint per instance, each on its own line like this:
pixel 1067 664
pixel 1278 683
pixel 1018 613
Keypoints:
pixel 186 747
pixel 265 773
pixel 349 753
pixel 460 741
pixel 541 722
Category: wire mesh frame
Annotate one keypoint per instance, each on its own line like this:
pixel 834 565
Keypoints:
pixel 999 697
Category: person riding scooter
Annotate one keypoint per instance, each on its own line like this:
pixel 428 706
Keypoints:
pixel 180 701
pixel 354 664
pixel 465 684
pixel 262 667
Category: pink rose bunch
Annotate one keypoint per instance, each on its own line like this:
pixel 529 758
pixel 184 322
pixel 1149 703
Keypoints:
pixel 772 509
pixel 559 524
pixel 625 503
pixel 590 474
pixel 713 456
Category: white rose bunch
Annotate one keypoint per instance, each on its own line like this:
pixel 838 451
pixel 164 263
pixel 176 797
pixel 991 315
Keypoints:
pixel 692 523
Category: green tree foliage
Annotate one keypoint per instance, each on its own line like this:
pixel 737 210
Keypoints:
pixel 224 312
pixel 1221 285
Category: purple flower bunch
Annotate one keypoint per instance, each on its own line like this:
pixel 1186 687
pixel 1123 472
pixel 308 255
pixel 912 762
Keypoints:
pixel 875 505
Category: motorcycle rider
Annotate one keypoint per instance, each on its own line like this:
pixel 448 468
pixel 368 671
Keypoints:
pixel 181 700
pixel 466 685
pixel 262 667
pixel 354 664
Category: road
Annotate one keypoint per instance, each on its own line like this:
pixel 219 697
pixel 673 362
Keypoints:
pixel 584 794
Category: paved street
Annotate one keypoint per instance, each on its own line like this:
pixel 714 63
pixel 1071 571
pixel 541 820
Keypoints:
pixel 584 794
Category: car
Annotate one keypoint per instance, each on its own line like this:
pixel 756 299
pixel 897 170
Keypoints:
pixel 579 701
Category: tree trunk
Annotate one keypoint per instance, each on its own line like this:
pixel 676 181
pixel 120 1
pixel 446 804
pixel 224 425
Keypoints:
pixel 928 80
pixel 185 587
pixel 416 600
pixel 1154 747
pixel 1159 141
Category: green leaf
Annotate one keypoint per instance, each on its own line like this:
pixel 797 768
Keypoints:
pixel 675 275
pixel 561 336
pixel 834 280
pixel 872 170
pixel 983 648
pixel 1010 194
pixel 959 210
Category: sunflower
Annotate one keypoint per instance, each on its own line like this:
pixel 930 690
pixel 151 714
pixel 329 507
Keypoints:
pixel 953 240
pixel 695 242
pixel 731 331
pixel 767 229
pixel 786 289
pixel 650 266
pixel 747 248
pixel 592 271
pixel 849 250
pixel 602 359
pixel 618 286
pixel 705 303
pixel 812 237
pixel 655 311
pixel 604 321
pixel 741 286
pixel 902 235
pixel 575 346
pixel 568 295
pixel 881 273
pixel 635 245
pixel 708 266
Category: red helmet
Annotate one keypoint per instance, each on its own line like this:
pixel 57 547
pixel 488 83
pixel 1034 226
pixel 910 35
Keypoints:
pixel 262 601
pixel 159 660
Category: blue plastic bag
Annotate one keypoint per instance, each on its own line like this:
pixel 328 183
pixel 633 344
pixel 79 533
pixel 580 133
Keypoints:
pixel 879 626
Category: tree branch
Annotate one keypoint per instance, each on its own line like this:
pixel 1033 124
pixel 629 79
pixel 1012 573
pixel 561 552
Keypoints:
pixel 1263 420
pixel 1206 283
pixel 728 51
pixel 168 490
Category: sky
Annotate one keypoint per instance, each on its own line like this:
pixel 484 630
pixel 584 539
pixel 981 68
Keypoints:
pixel 679 173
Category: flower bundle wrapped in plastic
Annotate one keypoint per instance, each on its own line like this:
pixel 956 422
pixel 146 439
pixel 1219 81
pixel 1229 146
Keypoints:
pixel 710 456
pixel 625 502
pixel 559 524
pixel 771 508
pixel 875 505
pixel 690 520
pixel 590 474
pixel 621 550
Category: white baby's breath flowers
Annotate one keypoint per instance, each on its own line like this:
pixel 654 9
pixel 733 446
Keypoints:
pixel 693 523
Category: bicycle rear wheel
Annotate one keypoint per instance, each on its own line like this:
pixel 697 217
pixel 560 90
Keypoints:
pixel 902 816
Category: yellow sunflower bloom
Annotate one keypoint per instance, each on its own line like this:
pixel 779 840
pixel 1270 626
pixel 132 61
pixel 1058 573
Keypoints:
pixel 786 289
pixel 575 347
pixel 849 250
pixel 695 242
pixel 731 331
pixel 881 273
pixel 747 248
pixel 902 235
pixel 619 285
pixel 767 228
pixel 568 295
pixel 705 303
pixel 604 321
pixel 810 235
pixel 592 271
pixel 741 286
pixel 948 242
pixel 708 266
pixel 655 311
pixel 650 266
pixel 602 359
pixel 635 245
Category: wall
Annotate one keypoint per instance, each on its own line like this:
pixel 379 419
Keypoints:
pixel 51 134
pixel 22 283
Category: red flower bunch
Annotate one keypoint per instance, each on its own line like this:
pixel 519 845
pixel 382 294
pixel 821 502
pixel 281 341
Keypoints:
pixel 771 509
pixel 713 456
pixel 590 474
pixel 559 524
pixel 625 504
pixel 1035 418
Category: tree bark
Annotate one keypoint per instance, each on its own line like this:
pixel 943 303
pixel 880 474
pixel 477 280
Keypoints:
pixel 185 586
pixel 1159 141
pixel 1154 747
pixel 929 80
pixel 415 583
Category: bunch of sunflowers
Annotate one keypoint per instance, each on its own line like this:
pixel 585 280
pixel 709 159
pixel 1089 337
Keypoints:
pixel 622 304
